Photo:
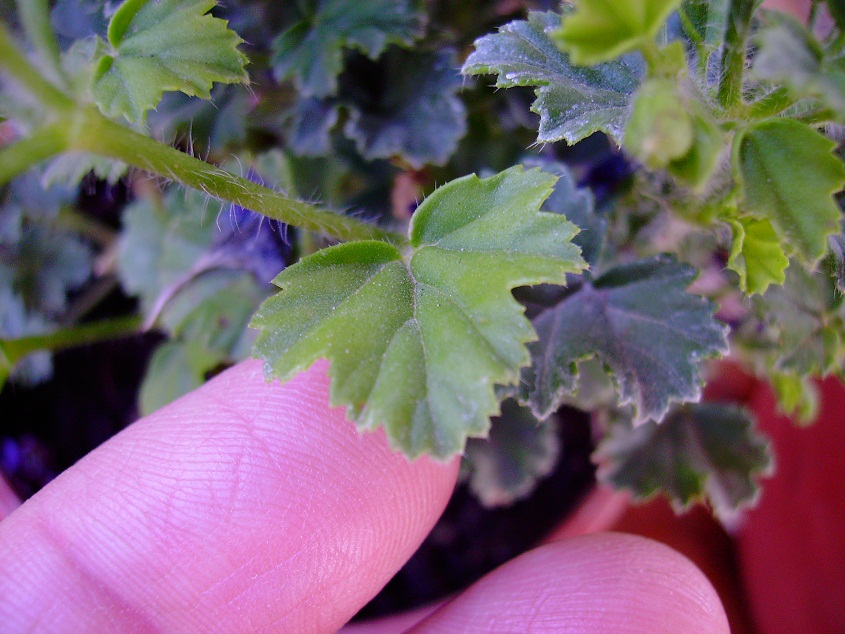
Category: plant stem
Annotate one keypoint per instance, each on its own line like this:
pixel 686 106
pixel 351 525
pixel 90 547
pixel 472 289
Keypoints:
pixel 733 57
pixel 40 145
pixel 17 66
pixel 35 17
pixel 95 133
pixel 15 349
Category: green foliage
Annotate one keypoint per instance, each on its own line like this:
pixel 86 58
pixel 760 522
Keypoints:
pixel 602 30
pixel 756 255
pixel 311 51
pixel 164 45
pixel 788 175
pixel 708 450
pixel 641 323
pixel 572 102
pixel 418 340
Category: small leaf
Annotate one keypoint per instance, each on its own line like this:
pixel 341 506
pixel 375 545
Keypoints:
pixel 311 51
pixel 506 466
pixel 707 450
pixel 418 338
pixel 798 397
pixel 639 321
pixel 164 45
pixel 417 116
pixel 789 175
pixel 756 255
pixel 698 165
pixel 788 54
pixel 572 102
pixel 175 369
pixel 602 30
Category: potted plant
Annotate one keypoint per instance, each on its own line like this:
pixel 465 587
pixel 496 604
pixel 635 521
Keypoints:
pixel 654 188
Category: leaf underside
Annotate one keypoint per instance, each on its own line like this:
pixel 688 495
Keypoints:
pixel 641 323
pixel 572 102
pixel 160 46
pixel 418 339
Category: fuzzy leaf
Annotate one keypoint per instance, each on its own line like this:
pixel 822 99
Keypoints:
pixel 789 175
pixel 756 255
pixel 572 102
pixel 520 451
pixel 418 116
pixel 640 322
pixel 164 45
pixel 602 30
pixel 707 450
pixel 418 339
pixel 660 129
pixel 311 51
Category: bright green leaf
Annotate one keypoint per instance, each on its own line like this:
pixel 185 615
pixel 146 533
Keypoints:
pixel 641 323
pixel 698 165
pixel 164 45
pixel 707 450
pixel 418 338
pixel 660 129
pixel 798 397
pixel 789 175
pixel 602 30
pixel 506 466
pixel 756 255
pixel 572 102
pixel 311 51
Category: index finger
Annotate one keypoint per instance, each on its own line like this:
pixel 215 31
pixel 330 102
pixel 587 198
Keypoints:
pixel 243 506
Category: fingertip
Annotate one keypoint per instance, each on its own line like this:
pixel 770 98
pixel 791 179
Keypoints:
pixel 596 583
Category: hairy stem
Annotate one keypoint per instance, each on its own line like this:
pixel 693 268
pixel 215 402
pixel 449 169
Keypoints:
pixel 95 133
pixel 733 57
pixel 15 349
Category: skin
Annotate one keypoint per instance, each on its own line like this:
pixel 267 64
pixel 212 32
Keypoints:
pixel 253 506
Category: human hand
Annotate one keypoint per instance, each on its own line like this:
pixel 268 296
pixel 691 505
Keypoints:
pixel 248 506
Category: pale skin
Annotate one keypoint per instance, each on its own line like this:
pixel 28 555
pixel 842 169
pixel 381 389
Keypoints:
pixel 248 506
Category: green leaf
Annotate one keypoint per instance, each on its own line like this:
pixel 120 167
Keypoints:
pixel 602 30
pixel 418 338
pixel 698 165
pixel 707 450
pixel 788 54
pixel 789 175
pixel 802 323
pixel 164 45
pixel 520 451
pixel 311 51
pixel 572 102
pixel 798 397
pixel 756 255
pixel 175 369
pixel 639 321
pixel 418 116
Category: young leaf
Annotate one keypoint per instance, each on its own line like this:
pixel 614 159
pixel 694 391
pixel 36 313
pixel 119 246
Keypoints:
pixel 756 255
pixel 520 451
pixel 788 54
pixel 602 30
pixel 164 45
pixel 572 102
pixel 798 397
pixel 706 450
pixel 417 116
pixel 640 322
pixel 418 339
pixel 660 129
pixel 789 175
pixel 311 51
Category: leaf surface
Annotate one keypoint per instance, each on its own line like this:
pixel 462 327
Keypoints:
pixel 704 450
pixel 789 175
pixel 641 323
pixel 572 102
pixel 602 30
pixel 164 45
pixel 756 255
pixel 418 338
pixel 311 51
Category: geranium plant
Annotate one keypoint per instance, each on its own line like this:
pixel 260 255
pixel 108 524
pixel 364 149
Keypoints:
pixel 521 280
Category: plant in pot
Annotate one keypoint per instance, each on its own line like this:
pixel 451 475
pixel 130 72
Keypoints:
pixel 654 189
